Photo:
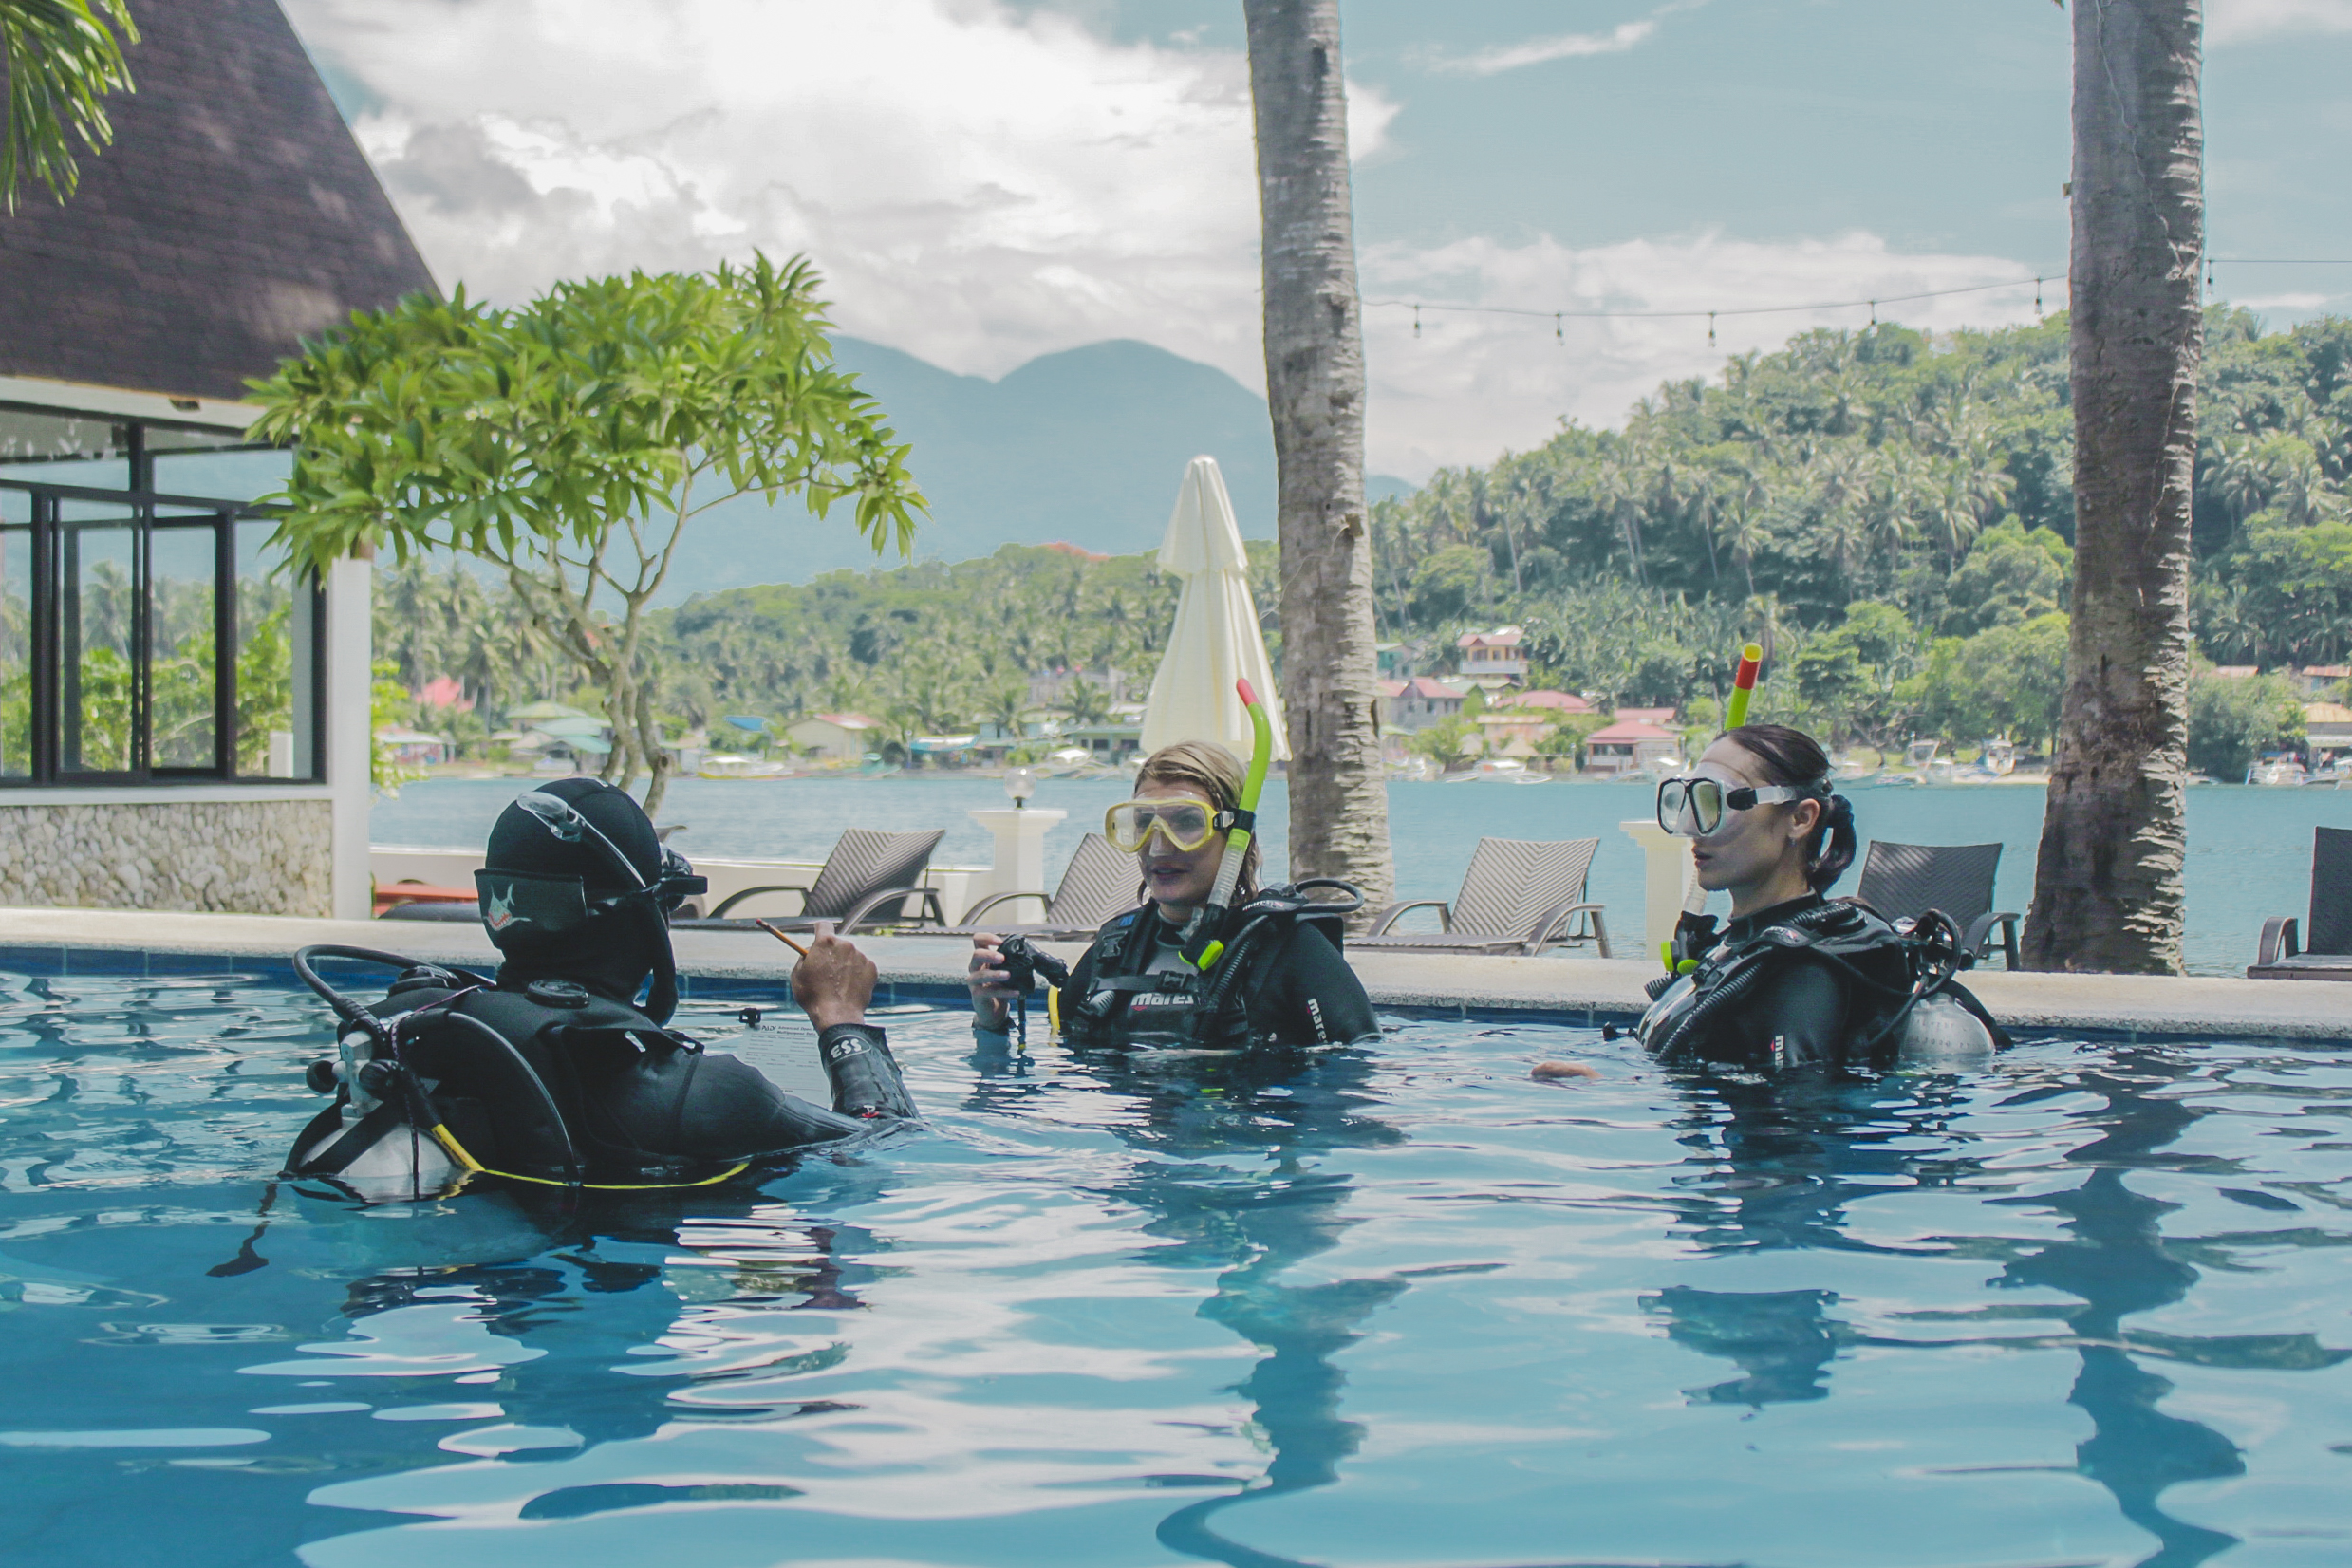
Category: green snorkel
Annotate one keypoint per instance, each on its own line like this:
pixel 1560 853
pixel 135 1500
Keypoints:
pixel 1202 948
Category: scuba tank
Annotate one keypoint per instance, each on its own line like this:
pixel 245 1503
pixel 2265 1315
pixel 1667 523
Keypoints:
pixel 1142 991
pixel 1906 1009
pixel 449 1078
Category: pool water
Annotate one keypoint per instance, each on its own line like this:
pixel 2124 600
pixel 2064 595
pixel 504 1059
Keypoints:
pixel 1403 1307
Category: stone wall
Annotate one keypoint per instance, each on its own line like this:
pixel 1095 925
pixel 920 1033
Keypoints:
pixel 248 857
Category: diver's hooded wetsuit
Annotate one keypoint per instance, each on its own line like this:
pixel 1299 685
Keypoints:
pixel 1815 983
pixel 1282 983
pixel 554 1073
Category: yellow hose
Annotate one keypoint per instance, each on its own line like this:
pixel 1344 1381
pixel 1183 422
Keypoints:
pixel 456 1151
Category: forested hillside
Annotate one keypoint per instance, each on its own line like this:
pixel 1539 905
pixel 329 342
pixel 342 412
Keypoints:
pixel 1889 512
pixel 1892 514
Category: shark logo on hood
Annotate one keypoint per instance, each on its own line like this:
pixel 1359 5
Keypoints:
pixel 499 912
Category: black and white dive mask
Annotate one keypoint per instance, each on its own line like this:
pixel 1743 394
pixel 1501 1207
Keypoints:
pixel 539 904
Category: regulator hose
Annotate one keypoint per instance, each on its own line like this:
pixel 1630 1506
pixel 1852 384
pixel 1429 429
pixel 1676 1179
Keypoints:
pixel 352 1011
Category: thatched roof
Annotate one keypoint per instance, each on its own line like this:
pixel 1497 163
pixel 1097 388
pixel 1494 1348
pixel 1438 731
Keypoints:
pixel 233 216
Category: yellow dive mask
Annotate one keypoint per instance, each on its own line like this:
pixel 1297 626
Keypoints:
pixel 1184 824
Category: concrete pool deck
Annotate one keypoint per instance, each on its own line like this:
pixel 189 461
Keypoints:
pixel 1558 987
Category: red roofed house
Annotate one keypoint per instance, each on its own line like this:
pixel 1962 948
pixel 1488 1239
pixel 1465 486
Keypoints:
pixel 1493 658
pixel 1558 702
pixel 834 736
pixel 1629 746
pixel 1644 715
pixel 1416 704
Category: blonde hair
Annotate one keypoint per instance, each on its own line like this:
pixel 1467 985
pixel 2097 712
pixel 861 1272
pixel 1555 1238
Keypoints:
pixel 1215 772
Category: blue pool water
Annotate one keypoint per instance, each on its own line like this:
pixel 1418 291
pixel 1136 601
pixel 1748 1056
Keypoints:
pixel 1400 1308
pixel 2250 849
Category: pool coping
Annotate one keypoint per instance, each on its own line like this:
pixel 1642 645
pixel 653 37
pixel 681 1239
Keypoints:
pixel 1553 988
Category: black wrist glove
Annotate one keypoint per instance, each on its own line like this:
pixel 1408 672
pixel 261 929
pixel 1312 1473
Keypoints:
pixel 863 1074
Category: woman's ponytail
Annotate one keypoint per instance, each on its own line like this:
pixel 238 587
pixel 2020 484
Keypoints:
pixel 1830 851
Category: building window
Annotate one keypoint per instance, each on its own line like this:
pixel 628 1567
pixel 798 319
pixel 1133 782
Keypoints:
pixel 144 637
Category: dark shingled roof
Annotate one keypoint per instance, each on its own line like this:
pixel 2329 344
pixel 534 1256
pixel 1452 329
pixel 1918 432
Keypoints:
pixel 233 215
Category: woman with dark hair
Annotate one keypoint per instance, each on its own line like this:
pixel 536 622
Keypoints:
pixel 1795 979
pixel 1283 983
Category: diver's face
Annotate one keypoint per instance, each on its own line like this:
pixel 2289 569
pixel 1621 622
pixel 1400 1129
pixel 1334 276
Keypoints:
pixel 1754 848
pixel 1179 881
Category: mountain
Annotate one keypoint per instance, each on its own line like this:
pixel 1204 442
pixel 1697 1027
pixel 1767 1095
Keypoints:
pixel 1085 446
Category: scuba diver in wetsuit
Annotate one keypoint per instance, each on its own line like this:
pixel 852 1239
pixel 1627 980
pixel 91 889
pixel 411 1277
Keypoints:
pixel 1280 979
pixel 1796 978
pixel 555 1073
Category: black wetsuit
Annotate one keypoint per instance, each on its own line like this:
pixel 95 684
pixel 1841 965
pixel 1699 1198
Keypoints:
pixel 555 1081
pixel 1293 989
pixel 1794 1008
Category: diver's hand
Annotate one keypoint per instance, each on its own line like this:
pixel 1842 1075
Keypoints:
pixel 836 983
pixel 992 998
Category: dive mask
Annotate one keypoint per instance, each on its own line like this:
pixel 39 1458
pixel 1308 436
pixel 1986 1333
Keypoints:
pixel 545 906
pixel 1184 824
pixel 1693 808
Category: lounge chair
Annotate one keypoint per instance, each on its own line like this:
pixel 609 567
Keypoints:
pixel 1520 896
pixel 1101 881
pixel 1905 880
pixel 2330 957
pixel 868 879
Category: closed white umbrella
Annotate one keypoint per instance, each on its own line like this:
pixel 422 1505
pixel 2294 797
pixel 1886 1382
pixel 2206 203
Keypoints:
pixel 1216 639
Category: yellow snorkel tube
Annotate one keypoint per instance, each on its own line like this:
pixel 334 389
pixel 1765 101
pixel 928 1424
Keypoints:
pixel 1203 946
pixel 1735 715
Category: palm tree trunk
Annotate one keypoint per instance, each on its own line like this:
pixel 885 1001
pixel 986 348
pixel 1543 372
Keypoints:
pixel 2107 887
pixel 1315 387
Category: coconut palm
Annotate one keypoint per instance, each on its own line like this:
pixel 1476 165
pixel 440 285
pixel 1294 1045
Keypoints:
pixel 1315 391
pixel 2107 883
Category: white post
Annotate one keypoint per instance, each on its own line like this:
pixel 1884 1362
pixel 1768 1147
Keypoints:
pixel 350 659
pixel 1665 866
pixel 1021 860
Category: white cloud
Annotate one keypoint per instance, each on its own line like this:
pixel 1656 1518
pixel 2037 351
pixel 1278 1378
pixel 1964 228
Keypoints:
pixel 2237 21
pixel 1567 45
pixel 1472 385
pixel 980 186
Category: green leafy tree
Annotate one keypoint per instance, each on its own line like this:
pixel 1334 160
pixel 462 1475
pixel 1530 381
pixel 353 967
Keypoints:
pixel 2233 718
pixel 62 57
pixel 2006 680
pixel 1450 743
pixel 1448 582
pixel 572 442
pixel 389 704
pixel 2010 577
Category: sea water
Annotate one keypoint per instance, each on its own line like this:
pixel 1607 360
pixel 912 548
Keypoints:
pixel 2250 849
pixel 1401 1306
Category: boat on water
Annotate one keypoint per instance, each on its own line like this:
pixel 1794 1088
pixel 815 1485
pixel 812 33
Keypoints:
pixel 2000 758
pixel 1507 770
pixel 729 765
pixel 2277 770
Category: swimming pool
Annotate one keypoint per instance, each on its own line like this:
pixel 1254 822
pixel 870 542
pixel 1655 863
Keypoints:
pixel 1404 1308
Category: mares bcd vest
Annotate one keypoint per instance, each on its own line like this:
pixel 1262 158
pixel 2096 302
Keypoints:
pixel 1141 992
pixel 452 1077
pixel 1905 1009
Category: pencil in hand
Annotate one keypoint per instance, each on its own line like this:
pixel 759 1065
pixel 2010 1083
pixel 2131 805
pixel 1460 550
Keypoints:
pixel 781 937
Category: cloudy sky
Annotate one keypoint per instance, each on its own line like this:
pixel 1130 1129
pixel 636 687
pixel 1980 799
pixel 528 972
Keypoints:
pixel 985 180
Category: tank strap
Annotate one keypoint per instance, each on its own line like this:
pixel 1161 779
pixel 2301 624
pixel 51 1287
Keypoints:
pixel 355 1141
